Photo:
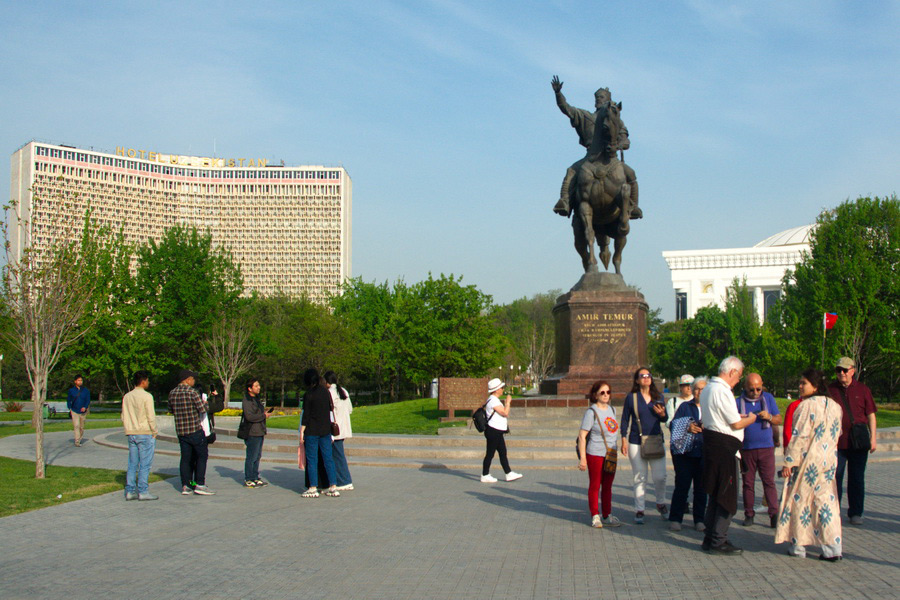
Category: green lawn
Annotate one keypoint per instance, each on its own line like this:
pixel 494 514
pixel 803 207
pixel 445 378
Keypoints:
pixel 418 417
pixel 884 417
pixel 21 492
pixel 26 416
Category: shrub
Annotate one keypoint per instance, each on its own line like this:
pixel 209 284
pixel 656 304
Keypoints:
pixel 13 406
pixel 230 412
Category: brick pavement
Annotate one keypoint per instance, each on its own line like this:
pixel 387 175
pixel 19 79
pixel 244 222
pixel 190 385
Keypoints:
pixel 406 533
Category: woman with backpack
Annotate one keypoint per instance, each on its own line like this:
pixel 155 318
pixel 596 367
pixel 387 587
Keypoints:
pixel 497 427
pixel 597 448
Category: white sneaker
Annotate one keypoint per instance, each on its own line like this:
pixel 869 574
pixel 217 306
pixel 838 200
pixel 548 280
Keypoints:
pixel 512 476
pixel 344 488
pixel 596 522
pixel 488 478
pixel 612 521
pixel 674 526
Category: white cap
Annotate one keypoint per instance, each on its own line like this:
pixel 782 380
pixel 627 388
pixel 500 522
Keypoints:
pixel 685 380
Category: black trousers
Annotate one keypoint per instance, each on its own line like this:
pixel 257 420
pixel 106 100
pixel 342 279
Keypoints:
pixel 495 443
pixel 854 462
pixel 688 471
pixel 194 454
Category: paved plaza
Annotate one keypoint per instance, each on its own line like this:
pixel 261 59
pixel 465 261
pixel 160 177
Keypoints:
pixel 407 533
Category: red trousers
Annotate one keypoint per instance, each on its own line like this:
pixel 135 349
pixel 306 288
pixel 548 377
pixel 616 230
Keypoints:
pixel 599 479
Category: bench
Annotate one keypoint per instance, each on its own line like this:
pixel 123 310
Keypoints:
pixel 57 408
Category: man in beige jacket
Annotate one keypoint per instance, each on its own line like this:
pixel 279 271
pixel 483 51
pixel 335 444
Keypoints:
pixel 139 419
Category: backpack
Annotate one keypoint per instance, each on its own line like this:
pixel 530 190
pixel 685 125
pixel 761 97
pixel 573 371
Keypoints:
pixel 480 418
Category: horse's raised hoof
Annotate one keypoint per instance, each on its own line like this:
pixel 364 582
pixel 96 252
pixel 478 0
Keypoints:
pixel 636 213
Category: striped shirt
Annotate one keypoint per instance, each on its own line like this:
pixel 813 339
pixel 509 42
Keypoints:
pixel 186 406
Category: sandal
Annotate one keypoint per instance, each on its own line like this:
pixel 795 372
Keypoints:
pixel 332 493
pixel 310 493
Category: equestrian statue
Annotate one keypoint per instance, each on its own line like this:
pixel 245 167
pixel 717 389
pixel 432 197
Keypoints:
pixel 599 192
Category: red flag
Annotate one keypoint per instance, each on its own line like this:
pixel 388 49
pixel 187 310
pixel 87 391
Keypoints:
pixel 829 320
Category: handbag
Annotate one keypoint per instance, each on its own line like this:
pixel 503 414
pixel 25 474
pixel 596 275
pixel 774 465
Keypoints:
pixel 335 428
pixel 611 460
pixel 860 438
pixel 652 446
pixel 301 457
pixel 243 431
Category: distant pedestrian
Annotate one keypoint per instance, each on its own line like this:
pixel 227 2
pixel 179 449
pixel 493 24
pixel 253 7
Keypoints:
pixel 687 460
pixel 315 433
pixel 497 427
pixel 810 509
pixel 599 422
pixel 858 435
pixel 188 410
pixel 723 437
pixel 78 400
pixel 139 420
pixel 254 417
pixel 342 408
pixel 642 415
pixel 758 451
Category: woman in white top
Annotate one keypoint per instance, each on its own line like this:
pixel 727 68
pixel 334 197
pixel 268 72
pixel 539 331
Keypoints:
pixel 600 422
pixel 497 427
pixel 342 409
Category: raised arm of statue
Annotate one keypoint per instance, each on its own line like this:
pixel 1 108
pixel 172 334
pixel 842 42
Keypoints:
pixel 564 106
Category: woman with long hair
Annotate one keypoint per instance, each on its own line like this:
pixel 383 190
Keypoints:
pixel 255 414
pixel 315 433
pixel 642 414
pixel 810 510
pixel 342 408
pixel 599 422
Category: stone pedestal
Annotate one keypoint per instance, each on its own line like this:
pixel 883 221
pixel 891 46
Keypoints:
pixel 601 333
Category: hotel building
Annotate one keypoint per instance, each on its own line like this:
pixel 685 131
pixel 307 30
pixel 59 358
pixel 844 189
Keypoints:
pixel 289 228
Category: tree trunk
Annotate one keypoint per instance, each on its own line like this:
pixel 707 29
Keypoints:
pixel 38 401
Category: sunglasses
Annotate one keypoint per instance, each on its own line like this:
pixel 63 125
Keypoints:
pixel 603 393
pixel 759 389
pixel 645 376
pixel 841 370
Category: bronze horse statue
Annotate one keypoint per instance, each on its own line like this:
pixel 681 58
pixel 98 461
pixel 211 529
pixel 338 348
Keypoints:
pixel 601 196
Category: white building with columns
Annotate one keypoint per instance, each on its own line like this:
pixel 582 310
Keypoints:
pixel 701 277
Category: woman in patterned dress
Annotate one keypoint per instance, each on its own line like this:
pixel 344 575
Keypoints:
pixel 810 512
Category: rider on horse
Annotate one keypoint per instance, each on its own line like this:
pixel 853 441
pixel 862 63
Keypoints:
pixel 583 121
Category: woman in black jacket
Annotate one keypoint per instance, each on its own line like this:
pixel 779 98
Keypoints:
pixel 315 433
pixel 256 415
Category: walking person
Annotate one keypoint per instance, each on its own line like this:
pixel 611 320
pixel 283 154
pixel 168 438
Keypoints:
pixel 340 399
pixel 497 427
pixel 139 421
pixel 723 436
pixel 254 423
pixel 597 438
pixel 810 510
pixel 687 460
pixel 78 400
pixel 642 416
pixel 859 430
pixel 188 409
pixel 315 433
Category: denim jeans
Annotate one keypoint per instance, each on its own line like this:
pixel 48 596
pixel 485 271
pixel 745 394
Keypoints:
pixel 254 452
pixel 194 454
pixel 688 472
pixel 340 463
pixel 140 460
pixel 316 444
pixel 854 462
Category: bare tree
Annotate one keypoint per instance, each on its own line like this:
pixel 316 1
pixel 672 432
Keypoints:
pixel 47 290
pixel 229 350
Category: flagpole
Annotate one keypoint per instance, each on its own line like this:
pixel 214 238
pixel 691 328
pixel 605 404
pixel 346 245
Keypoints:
pixel 824 319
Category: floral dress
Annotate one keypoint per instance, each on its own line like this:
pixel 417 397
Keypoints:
pixel 810 512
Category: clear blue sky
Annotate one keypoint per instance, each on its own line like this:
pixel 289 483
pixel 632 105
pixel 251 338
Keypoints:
pixel 746 118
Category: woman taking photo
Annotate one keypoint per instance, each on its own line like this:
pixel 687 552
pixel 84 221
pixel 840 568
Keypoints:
pixel 256 416
pixel 599 422
pixel 497 427
pixel 643 411
pixel 315 433
pixel 810 511
pixel 342 408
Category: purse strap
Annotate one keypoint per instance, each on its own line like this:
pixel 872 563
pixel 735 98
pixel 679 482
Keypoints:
pixel 637 416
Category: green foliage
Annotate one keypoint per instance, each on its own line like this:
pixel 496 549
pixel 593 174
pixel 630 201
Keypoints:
pixel 527 325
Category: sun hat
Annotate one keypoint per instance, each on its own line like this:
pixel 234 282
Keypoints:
pixel 494 385
pixel 686 379
pixel 846 363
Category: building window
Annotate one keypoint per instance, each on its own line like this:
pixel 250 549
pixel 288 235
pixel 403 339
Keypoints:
pixel 680 306
pixel 770 297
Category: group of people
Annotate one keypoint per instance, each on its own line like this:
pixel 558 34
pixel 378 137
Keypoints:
pixel 324 425
pixel 718 440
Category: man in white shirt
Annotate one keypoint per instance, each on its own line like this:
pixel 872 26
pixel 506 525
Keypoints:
pixel 723 436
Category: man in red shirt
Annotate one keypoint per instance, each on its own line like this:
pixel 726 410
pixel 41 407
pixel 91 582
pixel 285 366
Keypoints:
pixel 859 408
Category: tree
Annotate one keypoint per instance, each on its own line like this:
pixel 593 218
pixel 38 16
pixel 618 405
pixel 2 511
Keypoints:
pixel 47 291
pixel 852 269
pixel 527 324
pixel 184 284
pixel 229 350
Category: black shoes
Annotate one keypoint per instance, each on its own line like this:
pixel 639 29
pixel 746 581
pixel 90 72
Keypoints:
pixel 773 521
pixel 831 558
pixel 725 549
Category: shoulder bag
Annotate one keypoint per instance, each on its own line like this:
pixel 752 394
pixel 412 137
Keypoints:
pixel 612 454
pixel 651 445
pixel 335 428
pixel 860 437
